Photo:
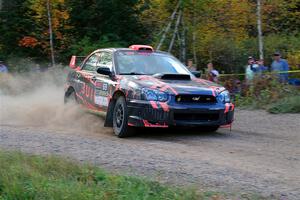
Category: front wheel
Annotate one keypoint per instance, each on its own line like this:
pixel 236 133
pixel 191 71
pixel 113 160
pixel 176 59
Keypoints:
pixel 120 119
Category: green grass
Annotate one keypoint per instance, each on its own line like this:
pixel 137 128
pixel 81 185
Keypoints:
pixel 286 105
pixel 34 177
pixel 270 95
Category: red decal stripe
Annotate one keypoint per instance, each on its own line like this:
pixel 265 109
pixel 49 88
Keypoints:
pixel 213 92
pixel 153 104
pixel 164 106
pixel 157 125
pixel 227 106
pixel 232 107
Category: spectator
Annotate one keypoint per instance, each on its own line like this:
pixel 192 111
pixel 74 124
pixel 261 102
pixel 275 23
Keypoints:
pixel 191 66
pixel 261 67
pixel 212 74
pixel 251 69
pixel 280 65
pixel 3 67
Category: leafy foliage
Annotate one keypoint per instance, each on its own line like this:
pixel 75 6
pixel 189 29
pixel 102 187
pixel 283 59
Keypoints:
pixel 221 31
pixel 271 95
pixel 286 105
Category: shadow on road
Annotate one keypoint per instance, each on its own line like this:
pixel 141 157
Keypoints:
pixel 178 132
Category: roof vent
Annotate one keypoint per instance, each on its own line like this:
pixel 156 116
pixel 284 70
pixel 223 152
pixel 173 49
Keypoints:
pixel 138 47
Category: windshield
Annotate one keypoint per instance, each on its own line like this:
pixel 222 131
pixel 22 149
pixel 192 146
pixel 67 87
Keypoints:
pixel 136 62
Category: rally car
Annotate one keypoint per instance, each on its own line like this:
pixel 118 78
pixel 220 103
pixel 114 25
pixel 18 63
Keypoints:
pixel 140 87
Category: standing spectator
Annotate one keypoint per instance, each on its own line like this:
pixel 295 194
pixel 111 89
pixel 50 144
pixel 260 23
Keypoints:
pixel 251 69
pixel 261 67
pixel 3 67
pixel 212 74
pixel 280 65
pixel 190 65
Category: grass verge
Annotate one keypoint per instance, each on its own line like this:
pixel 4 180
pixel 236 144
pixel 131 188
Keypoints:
pixel 24 177
pixel 286 105
pixel 270 95
pixel 34 177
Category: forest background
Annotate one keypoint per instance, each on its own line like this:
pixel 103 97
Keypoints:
pixel 220 31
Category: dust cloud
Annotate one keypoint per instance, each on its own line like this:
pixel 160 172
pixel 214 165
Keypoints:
pixel 36 99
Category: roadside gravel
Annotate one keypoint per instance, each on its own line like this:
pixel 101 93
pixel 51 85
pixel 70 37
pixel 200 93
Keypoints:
pixel 261 154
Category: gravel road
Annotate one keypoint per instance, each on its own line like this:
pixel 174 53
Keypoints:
pixel 261 153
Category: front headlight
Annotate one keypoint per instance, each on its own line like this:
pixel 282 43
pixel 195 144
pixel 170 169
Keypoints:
pixel 154 95
pixel 223 97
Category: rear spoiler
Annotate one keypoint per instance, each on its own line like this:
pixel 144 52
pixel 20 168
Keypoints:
pixel 76 61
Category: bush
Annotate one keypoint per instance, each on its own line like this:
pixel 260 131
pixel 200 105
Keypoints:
pixel 267 93
pixel 286 105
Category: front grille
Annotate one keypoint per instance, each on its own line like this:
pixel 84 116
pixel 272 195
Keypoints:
pixel 154 114
pixel 195 99
pixel 205 117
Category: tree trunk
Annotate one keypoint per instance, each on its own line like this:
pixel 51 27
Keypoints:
pixel 175 31
pixel 166 30
pixel 259 29
pixel 50 33
pixel 183 42
pixel 180 46
pixel 194 38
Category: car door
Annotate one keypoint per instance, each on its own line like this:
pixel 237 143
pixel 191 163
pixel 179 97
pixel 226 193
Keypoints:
pixel 86 78
pixel 103 82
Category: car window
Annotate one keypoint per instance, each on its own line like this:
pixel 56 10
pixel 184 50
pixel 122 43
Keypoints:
pixel 91 63
pixel 148 63
pixel 105 60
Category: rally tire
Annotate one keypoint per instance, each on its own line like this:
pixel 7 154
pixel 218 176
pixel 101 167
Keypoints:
pixel 70 97
pixel 120 119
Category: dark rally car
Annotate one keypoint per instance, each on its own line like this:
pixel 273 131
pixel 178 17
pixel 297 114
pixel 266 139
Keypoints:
pixel 140 87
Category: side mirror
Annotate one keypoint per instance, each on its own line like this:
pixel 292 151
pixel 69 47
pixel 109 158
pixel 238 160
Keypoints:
pixel 197 74
pixel 104 71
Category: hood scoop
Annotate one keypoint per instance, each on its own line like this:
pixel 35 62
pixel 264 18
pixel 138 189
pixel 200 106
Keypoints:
pixel 173 76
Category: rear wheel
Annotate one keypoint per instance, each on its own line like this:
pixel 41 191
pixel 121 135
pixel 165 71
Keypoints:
pixel 70 97
pixel 120 119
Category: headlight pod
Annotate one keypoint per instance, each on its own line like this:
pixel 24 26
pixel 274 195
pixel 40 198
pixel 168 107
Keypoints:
pixel 154 95
pixel 223 97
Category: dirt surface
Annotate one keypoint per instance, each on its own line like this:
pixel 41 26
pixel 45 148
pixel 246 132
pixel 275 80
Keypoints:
pixel 261 153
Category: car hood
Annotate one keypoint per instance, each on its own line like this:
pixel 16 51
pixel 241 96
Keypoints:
pixel 174 86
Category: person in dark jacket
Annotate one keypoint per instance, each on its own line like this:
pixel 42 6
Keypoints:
pixel 280 66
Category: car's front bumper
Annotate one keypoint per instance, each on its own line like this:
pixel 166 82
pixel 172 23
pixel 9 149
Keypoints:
pixel 155 114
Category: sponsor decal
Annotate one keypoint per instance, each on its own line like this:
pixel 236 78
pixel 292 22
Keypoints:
pixel 101 86
pixel 98 84
pixel 105 87
pixel 100 92
pixel 102 101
